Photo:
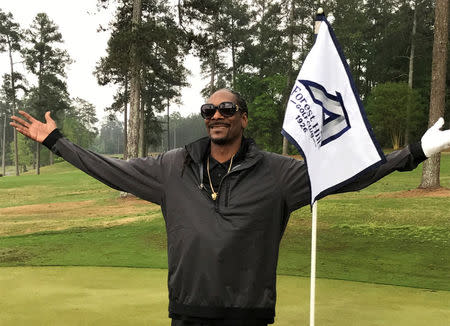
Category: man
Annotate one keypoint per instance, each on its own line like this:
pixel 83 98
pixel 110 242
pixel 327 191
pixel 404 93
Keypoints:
pixel 226 205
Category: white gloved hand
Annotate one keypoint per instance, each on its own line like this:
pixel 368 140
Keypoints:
pixel 435 140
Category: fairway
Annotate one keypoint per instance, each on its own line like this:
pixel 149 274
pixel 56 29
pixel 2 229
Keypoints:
pixel 138 296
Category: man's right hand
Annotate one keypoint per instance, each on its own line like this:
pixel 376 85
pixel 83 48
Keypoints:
pixel 34 129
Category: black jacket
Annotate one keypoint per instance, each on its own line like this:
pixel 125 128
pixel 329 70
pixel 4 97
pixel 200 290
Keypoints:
pixel 222 254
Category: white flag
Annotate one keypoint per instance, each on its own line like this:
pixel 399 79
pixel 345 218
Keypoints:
pixel 326 121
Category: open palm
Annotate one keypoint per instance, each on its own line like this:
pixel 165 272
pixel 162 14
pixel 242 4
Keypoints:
pixel 33 128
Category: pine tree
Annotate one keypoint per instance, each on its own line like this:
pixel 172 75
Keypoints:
pixel 10 41
pixel 431 167
pixel 44 59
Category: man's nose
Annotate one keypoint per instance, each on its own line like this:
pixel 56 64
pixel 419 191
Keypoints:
pixel 217 115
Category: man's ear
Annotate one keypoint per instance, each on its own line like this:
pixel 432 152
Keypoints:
pixel 244 120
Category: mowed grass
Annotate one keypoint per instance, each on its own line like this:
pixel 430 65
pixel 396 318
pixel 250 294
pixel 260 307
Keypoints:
pixel 57 183
pixel 136 296
pixel 387 233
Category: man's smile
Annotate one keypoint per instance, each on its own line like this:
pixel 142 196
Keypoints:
pixel 219 125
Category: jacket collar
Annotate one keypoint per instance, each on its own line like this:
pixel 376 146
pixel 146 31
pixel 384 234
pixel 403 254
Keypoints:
pixel 198 150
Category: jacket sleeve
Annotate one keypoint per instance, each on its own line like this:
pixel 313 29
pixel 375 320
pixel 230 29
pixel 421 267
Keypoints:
pixel 294 182
pixel 406 159
pixel 295 179
pixel 142 177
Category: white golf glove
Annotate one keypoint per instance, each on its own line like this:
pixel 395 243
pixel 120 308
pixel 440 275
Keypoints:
pixel 435 140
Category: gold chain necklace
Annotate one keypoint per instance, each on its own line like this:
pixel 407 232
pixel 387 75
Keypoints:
pixel 214 194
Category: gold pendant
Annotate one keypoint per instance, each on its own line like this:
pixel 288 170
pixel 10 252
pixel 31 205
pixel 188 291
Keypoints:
pixel 214 196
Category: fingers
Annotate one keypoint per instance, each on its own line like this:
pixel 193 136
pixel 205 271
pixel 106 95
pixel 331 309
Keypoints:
pixel 26 115
pixel 23 130
pixel 21 121
pixel 47 117
pixel 439 124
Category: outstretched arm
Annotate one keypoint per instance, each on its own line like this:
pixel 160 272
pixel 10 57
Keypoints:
pixel 433 141
pixel 143 177
pixel 33 128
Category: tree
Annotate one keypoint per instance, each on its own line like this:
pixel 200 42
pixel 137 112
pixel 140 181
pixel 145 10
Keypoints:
pixel 159 48
pixel 79 123
pixel 219 30
pixel 135 83
pixel 4 113
pixel 265 109
pixel 431 167
pixel 387 107
pixel 114 68
pixel 45 60
pixel 109 140
pixel 301 11
pixel 7 98
pixel 10 40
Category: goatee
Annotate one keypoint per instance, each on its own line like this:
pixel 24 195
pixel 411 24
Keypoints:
pixel 219 141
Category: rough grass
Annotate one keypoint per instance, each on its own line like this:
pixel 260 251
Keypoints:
pixel 26 219
pixel 57 183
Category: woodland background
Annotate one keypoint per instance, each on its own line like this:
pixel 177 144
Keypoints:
pixel 254 47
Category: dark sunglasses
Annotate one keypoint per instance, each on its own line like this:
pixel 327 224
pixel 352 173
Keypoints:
pixel 226 109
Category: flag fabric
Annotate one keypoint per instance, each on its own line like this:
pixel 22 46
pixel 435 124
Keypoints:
pixel 325 119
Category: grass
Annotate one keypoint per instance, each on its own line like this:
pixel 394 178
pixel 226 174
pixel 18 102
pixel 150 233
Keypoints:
pixel 64 217
pixel 130 296
pixel 57 183
pixel 384 234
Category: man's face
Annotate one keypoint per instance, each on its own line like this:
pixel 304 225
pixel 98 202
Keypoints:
pixel 224 130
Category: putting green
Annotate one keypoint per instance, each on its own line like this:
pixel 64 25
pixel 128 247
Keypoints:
pixel 132 296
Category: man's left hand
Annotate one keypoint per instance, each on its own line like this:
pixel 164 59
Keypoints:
pixel 435 140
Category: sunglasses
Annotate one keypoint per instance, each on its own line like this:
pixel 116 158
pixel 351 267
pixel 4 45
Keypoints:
pixel 226 109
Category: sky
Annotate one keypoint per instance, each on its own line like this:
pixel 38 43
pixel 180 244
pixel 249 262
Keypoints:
pixel 78 21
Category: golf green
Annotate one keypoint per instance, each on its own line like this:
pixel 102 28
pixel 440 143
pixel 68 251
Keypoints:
pixel 138 296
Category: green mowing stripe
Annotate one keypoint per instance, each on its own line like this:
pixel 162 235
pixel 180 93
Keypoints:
pixel 58 183
pixel 400 256
pixel 141 244
pixel 405 256
pixel 129 296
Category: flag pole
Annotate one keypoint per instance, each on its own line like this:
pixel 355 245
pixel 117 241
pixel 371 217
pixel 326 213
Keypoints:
pixel 313 265
pixel 312 296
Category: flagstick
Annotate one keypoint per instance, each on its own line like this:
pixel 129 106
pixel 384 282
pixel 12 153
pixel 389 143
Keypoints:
pixel 312 297
pixel 313 265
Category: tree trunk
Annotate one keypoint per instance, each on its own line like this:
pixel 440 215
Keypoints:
pixel 13 89
pixel 289 72
pixel 135 91
pixel 233 54
pixel 411 72
pixel 141 131
pixel 212 87
pixel 168 125
pixel 125 120
pixel 4 145
pixel 431 167
pixel 233 59
pixel 38 147
pixel 38 158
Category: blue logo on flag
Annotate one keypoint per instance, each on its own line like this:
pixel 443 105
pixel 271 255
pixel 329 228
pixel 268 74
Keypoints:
pixel 335 117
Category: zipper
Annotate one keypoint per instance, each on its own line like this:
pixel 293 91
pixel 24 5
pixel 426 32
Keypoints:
pixel 202 187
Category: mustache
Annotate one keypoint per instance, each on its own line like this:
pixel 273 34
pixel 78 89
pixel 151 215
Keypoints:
pixel 214 124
